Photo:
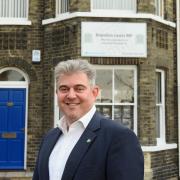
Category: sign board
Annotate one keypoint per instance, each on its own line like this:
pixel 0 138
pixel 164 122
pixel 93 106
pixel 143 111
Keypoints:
pixel 36 55
pixel 113 39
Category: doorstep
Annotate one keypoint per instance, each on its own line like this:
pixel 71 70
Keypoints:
pixel 16 175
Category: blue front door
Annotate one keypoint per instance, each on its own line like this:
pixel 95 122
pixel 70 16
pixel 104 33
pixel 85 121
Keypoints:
pixel 12 128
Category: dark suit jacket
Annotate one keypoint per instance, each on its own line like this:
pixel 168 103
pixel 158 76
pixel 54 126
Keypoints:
pixel 113 153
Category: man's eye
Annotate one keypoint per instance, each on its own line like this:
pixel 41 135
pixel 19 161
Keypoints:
pixel 63 89
pixel 80 89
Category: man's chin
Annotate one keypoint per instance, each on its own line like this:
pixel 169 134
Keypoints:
pixel 72 117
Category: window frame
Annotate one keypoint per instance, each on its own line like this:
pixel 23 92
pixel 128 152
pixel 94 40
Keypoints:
pixel 162 128
pixel 56 107
pixel 134 104
pixel 9 17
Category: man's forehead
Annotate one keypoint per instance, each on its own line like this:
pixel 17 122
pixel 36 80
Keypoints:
pixel 79 76
pixel 73 73
pixel 73 79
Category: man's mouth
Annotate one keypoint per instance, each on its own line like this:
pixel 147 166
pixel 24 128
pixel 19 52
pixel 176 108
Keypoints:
pixel 72 104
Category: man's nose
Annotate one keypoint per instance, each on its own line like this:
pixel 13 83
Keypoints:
pixel 71 93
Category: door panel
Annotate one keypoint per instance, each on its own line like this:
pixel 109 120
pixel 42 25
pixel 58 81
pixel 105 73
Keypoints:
pixel 3 150
pixel 3 115
pixel 4 96
pixel 12 121
pixel 15 124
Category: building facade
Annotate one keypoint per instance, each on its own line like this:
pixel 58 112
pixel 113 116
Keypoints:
pixel 132 46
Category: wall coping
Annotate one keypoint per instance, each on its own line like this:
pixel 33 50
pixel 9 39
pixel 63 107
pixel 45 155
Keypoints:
pixel 67 16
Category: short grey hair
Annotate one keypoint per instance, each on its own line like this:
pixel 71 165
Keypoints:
pixel 73 66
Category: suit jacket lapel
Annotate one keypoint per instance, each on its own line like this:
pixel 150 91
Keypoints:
pixel 81 148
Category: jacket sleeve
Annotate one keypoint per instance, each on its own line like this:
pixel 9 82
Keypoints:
pixel 36 172
pixel 48 141
pixel 125 159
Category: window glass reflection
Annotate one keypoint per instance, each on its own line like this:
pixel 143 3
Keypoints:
pixel 104 81
pixel 124 86
pixel 158 87
pixel 124 115
pixel 105 110
pixel 11 75
pixel 158 121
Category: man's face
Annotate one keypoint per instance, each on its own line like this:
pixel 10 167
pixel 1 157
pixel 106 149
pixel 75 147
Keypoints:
pixel 75 95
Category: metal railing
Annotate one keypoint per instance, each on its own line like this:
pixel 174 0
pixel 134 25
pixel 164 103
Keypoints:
pixel 14 8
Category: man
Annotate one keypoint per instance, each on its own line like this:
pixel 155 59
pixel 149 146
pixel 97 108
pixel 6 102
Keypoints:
pixel 86 145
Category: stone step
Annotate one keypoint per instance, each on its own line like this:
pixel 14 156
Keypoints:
pixel 16 175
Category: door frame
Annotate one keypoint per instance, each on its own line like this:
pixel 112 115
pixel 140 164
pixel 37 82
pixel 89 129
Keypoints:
pixel 19 84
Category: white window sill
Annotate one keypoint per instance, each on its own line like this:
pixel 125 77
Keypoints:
pixel 110 14
pixel 159 147
pixel 14 21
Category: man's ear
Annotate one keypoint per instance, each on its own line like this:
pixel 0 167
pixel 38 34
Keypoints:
pixel 56 91
pixel 95 91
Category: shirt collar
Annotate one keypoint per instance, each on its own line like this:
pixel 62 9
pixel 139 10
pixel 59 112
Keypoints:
pixel 83 120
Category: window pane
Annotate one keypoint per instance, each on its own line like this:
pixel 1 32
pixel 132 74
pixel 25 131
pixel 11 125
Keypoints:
pixel 105 110
pixel 124 115
pixel 104 81
pixel 13 8
pixel 11 75
pixel 158 7
pixel 124 86
pixel 62 6
pixel 158 87
pixel 129 5
pixel 158 121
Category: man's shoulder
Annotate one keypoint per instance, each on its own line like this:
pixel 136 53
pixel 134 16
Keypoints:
pixel 110 124
pixel 114 130
pixel 52 132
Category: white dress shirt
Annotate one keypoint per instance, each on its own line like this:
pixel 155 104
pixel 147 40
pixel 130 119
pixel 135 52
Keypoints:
pixel 66 143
